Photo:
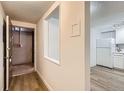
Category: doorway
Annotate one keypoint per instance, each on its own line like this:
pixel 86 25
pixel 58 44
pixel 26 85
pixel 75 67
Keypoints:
pixel 107 46
pixel 23 50
pixel 18 51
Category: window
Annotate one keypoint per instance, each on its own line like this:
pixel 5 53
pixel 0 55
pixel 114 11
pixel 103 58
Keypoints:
pixel 51 40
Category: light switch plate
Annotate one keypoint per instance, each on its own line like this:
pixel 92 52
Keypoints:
pixel 75 30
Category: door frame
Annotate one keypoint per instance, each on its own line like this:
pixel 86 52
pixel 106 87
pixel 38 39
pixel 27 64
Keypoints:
pixel 87 46
pixel 33 48
pixel 4 52
pixel 7 53
pixel 8 56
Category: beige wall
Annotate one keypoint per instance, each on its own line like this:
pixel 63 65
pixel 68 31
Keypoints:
pixel 70 73
pixel 2 17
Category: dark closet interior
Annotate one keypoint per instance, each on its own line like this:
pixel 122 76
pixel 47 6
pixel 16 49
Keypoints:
pixel 23 48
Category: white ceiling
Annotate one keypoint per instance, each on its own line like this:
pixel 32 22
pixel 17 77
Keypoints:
pixel 27 11
pixel 104 14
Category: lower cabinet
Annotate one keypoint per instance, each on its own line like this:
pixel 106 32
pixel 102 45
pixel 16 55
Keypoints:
pixel 119 61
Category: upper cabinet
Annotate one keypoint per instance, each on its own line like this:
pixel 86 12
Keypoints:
pixel 120 36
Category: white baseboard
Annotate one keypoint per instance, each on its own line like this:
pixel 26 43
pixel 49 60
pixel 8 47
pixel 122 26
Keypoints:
pixel 45 82
pixel 2 89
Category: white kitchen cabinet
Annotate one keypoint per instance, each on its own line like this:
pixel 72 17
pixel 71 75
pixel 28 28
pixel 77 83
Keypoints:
pixel 120 36
pixel 119 61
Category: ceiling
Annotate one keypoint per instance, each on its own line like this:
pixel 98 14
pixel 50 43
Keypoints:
pixel 104 14
pixel 27 11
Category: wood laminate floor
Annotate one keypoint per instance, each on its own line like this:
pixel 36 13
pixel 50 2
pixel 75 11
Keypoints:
pixel 105 79
pixel 27 82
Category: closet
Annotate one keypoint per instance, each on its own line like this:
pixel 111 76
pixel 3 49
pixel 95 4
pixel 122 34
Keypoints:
pixel 23 48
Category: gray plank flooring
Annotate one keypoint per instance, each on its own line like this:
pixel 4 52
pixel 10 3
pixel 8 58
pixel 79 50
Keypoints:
pixel 105 79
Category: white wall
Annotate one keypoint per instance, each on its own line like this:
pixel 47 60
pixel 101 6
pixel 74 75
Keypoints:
pixel 70 74
pixel 94 35
pixel 2 16
pixel 92 47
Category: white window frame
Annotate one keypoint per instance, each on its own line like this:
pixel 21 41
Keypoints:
pixel 46 40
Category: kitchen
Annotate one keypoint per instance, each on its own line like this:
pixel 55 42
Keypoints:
pixel 110 49
pixel 107 45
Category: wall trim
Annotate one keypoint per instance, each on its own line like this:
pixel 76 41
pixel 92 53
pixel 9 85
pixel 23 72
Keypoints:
pixel 1 89
pixel 49 11
pixel 45 82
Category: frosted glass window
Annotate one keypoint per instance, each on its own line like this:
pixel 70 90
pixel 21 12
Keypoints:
pixel 51 44
pixel 53 39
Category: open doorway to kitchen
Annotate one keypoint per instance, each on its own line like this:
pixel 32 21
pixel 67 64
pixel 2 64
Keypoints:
pixel 107 46
pixel 23 50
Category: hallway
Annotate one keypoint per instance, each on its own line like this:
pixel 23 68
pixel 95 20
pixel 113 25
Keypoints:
pixel 43 43
pixel 27 82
